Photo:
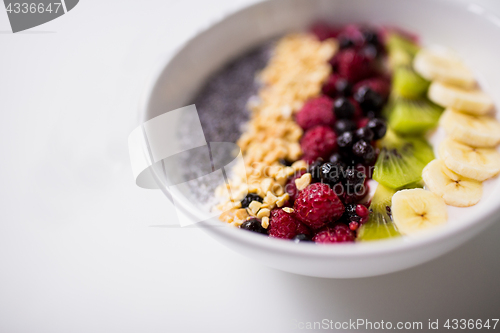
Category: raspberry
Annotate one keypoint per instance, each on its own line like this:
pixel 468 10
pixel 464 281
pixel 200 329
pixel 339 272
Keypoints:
pixel 353 65
pixel 378 84
pixel 303 229
pixel 282 224
pixel 316 111
pixel 290 186
pixel 323 31
pixel 317 205
pixel 319 141
pixel 339 233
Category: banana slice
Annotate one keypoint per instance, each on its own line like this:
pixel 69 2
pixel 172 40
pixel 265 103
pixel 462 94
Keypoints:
pixel 475 163
pixel 471 101
pixel 475 131
pixel 417 210
pixel 456 190
pixel 443 65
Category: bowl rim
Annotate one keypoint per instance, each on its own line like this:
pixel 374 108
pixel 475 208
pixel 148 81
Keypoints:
pixel 342 250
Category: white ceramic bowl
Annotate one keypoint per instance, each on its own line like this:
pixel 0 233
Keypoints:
pixel 468 29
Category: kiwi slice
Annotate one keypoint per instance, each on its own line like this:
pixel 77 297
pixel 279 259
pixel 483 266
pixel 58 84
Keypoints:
pixel 401 50
pixel 407 83
pixel 379 224
pixel 401 160
pixel 413 116
pixel 396 42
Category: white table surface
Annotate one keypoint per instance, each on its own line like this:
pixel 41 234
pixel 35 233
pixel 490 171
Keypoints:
pixel 77 250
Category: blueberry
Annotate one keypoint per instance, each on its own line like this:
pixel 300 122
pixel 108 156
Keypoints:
pixel 302 238
pixel 369 51
pixel 353 179
pixel 331 173
pixel 364 150
pixel 254 225
pixel 335 158
pixel 371 114
pixel 249 198
pixel 343 87
pixel 285 162
pixel 344 125
pixel 368 99
pixel 371 37
pixel 378 128
pixel 314 170
pixel 345 141
pixel 345 43
pixel 343 108
pixel 364 133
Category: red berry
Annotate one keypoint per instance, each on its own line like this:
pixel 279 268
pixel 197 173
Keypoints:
pixel 317 205
pixel 320 141
pixel 316 111
pixel 323 31
pixel 362 211
pixel 353 65
pixel 290 186
pixel 282 224
pixel 353 225
pixel 378 84
pixel 339 233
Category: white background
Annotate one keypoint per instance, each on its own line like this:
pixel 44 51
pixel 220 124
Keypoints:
pixel 80 250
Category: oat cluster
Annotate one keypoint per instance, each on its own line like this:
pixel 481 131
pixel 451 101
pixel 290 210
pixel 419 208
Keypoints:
pixel 294 74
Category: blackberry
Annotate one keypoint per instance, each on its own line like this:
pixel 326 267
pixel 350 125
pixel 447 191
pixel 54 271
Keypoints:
pixel 302 238
pixel 345 141
pixel 355 213
pixel 364 133
pixel 350 212
pixel 343 108
pixel 378 127
pixel 364 151
pixel 249 198
pixel 331 173
pixel 255 225
pixel 368 99
pixel 344 125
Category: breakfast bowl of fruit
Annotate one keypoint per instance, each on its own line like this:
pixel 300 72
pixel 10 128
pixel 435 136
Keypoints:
pixel 360 137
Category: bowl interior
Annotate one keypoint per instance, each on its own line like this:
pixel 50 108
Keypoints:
pixel 468 29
